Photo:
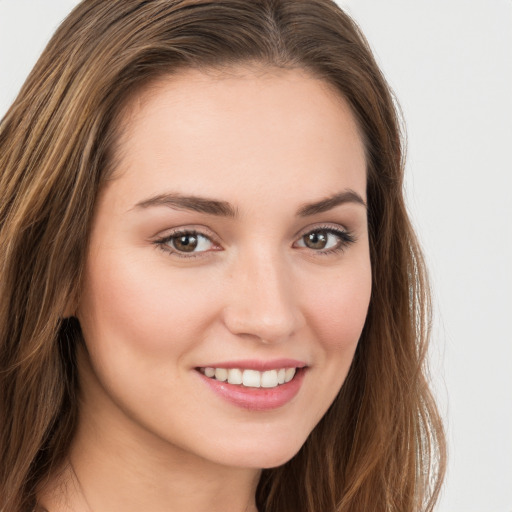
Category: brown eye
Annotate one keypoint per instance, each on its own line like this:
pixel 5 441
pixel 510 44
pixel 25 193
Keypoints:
pixel 326 240
pixel 188 242
pixel 316 239
pixel 185 243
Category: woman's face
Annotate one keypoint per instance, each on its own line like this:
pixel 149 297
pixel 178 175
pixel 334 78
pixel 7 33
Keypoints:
pixel 231 244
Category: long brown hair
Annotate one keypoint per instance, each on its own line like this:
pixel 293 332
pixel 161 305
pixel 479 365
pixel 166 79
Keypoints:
pixel 380 447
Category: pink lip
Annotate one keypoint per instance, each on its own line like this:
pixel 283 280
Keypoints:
pixel 253 364
pixel 257 399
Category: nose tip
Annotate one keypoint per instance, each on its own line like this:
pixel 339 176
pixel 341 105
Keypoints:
pixel 253 322
pixel 263 305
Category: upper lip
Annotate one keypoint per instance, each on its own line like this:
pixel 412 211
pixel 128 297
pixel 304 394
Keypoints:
pixel 255 364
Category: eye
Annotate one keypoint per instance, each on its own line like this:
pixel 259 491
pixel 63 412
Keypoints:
pixel 326 240
pixel 186 243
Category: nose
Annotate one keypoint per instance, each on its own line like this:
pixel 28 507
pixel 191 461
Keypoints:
pixel 262 301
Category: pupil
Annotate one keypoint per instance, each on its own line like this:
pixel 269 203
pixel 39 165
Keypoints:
pixel 186 243
pixel 316 240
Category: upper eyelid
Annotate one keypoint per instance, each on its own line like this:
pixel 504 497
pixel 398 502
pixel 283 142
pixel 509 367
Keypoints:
pixel 200 230
pixel 205 232
pixel 321 226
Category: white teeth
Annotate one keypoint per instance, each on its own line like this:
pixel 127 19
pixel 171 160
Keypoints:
pixel 251 378
pixel 288 376
pixel 209 372
pixel 269 379
pixel 235 376
pixel 221 374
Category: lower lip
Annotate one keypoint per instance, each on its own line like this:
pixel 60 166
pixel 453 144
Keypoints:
pixel 257 399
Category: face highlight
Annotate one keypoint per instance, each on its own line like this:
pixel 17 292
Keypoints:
pixel 228 274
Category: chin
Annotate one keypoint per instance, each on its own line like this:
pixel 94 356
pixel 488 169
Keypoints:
pixel 270 452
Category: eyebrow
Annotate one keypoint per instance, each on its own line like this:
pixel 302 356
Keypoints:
pixel 347 196
pixel 225 209
pixel 192 203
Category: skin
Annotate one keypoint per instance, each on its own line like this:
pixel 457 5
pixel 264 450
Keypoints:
pixel 152 435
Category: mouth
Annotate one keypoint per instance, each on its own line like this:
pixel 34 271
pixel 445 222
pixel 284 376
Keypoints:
pixel 253 385
pixel 250 378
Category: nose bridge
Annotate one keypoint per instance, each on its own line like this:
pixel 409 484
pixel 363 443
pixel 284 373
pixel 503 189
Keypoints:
pixel 262 302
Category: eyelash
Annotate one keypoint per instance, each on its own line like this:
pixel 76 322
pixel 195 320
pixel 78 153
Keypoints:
pixel 345 239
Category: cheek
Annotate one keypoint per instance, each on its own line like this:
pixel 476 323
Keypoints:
pixel 133 304
pixel 336 316
pixel 337 312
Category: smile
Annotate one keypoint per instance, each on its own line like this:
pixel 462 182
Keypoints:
pixel 255 385
pixel 250 378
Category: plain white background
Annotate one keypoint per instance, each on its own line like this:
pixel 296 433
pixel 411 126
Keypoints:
pixel 450 65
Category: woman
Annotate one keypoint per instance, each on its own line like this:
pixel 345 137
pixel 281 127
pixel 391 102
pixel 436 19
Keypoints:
pixel 177 332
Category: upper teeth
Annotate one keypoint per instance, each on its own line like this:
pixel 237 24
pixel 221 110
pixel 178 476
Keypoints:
pixel 251 378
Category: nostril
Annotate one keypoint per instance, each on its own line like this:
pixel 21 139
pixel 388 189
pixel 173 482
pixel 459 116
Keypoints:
pixel 274 327
pixel 262 302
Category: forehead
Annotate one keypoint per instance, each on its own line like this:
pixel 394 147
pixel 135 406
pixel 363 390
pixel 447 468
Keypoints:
pixel 198 131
